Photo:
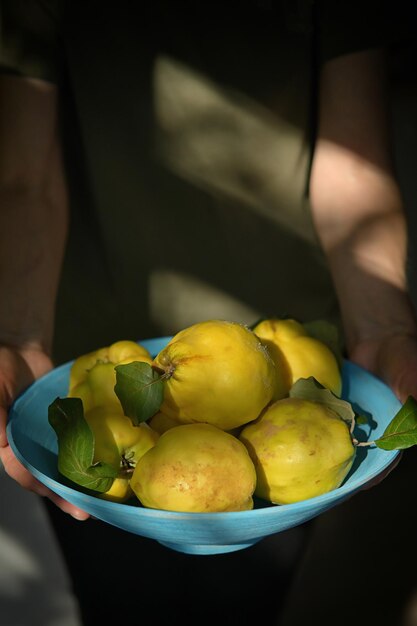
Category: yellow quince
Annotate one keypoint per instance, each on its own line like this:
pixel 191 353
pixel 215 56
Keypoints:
pixel 195 468
pixel 298 354
pixel 120 491
pixel 217 372
pixel 124 350
pixel 300 449
pixel 120 444
pixel 161 423
pixel 93 377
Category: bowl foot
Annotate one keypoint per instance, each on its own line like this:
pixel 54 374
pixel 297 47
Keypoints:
pixel 205 549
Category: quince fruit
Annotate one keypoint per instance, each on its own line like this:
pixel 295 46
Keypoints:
pixel 195 468
pixel 120 444
pixel 217 372
pixel 93 377
pixel 300 449
pixel 161 423
pixel 120 491
pixel 115 353
pixel 298 354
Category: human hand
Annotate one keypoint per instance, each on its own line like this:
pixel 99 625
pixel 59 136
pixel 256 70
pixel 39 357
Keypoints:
pixel 394 360
pixel 18 369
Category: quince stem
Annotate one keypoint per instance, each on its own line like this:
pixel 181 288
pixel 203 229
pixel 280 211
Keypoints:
pixel 125 471
pixel 164 374
pixel 356 442
pixel 362 444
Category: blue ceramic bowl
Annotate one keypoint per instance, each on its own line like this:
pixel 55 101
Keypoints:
pixel 34 443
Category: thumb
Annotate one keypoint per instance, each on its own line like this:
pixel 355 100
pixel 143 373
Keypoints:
pixel 18 369
pixel 397 366
pixel 394 360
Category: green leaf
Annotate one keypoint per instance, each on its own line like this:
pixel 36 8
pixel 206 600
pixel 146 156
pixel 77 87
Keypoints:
pixel 327 333
pixel 401 432
pixel 76 446
pixel 361 419
pixel 140 390
pixel 311 389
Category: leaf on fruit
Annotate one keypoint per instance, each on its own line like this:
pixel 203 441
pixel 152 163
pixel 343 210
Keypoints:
pixel 327 333
pixel 401 432
pixel 311 389
pixel 76 446
pixel 140 390
pixel 361 419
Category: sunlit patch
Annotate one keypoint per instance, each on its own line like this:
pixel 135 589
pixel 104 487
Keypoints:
pixel 222 141
pixel 178 300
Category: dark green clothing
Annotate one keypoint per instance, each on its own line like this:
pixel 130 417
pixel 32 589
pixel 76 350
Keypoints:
pixel 188 145
pixel 188 137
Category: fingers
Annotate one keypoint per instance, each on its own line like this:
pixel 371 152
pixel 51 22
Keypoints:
pixel 17 371
pixel 398 365
pixel 67 507
pixel 24 478
pixel 393 359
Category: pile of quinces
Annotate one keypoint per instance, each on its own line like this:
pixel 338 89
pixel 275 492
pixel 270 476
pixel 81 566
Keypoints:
pixel 221 414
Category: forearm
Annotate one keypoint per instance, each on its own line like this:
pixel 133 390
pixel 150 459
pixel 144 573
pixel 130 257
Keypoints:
pixel 356 201
pixel 33 211
pixel 357 210
pixel 33 231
